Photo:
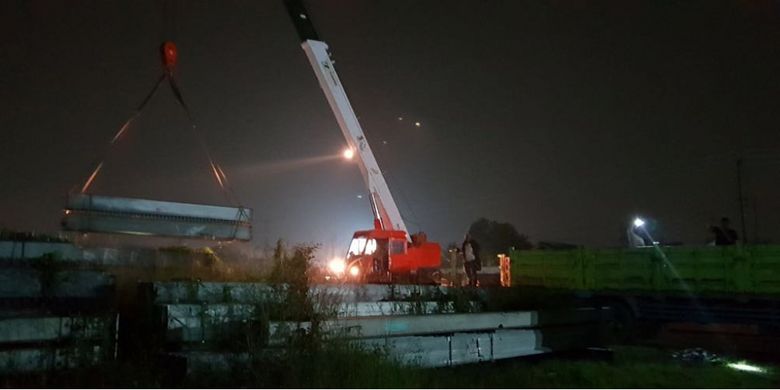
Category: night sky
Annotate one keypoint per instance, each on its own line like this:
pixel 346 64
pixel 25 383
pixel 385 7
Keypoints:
pixel 564 118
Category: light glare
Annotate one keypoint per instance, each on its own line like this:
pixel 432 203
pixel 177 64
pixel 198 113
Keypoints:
pixel 639 222
pixel 354 271
pixel 742 366
pixel 348 153
pixel 337 265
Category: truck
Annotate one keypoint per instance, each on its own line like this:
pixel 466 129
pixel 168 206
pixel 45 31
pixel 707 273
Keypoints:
pixel 696 284
pixel 387 252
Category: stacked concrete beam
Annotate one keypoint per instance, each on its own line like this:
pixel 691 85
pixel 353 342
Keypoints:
pixel 484 337
pixel 194 312
pixel 217 292
pixel 21 250
pixel 460 348
pixel 26 283
pixel 54 318
pixel 378 292
pixel 475 347
pixel 453 339
pixel 33 344
pixel 443 323
pixel 414 331
pixel 29 360
pixel 21 330
pixel 202 323
pixel 30 252
pixel 208 292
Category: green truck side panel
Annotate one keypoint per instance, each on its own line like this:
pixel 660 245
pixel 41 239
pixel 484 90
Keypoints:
pixel 753 270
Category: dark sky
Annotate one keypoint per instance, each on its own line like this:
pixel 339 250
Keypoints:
pixel 562 117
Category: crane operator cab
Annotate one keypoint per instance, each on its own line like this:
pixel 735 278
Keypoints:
pixel 386 256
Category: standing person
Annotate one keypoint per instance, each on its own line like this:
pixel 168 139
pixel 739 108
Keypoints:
pixel 635 240
pixel 471 261
pixel 724 234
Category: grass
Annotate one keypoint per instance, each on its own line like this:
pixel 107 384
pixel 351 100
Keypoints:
pixel 339 366
pixel 630 367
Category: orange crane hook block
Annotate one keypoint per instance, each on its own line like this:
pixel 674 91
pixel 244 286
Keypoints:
pixel 168 55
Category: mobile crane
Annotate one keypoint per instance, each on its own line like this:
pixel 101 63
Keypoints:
pixel 387 253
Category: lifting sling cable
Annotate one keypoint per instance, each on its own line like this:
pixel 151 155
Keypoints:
pixel 121 131
pixel 138 110
pixel 169 61
pixel 219 174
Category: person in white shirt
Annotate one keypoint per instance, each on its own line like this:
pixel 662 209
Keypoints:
pixel 471 261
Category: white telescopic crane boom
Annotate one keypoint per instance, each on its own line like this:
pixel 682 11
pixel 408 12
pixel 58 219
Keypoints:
pixel 383 205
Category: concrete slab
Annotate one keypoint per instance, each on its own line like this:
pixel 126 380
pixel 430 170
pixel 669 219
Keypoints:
pixel 27 282
pixel 201 323
pixel 82 284
pixel 210 292
pixel 106 214
pixel 418 325
pixel 113 204
pixel 24 330
pixel 32 249
pixel 205 292
pixel 18 361
pixel 29 251
pixel 154 226
pixel 458 348
pixel 20 283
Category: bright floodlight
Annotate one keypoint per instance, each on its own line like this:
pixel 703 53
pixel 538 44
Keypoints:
pixel 742 366
pixel 354 271
pixel 348 153
pixel 639 222
pixel 418 124
pixel 337 265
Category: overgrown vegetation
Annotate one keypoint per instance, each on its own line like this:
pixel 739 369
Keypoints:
pixel 342 366
pixel 497 237
pixel 628 367
pixel 290 276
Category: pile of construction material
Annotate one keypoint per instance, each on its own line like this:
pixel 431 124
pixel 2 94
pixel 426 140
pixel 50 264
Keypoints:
pixel 416 325
pixel 54 316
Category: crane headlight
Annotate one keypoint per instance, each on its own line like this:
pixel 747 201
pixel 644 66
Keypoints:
pixel 337 266
pixel 354 271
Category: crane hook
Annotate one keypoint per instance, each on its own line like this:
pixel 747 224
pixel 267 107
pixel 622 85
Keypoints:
pixel 168 55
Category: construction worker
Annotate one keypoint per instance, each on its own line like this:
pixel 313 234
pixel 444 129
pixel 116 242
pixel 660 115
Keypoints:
pixel 635 240
pixel 724 234
pixel 471 261
pixel 381 257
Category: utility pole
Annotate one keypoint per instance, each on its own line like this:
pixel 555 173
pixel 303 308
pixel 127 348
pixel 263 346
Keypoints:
pixel 741 199
pixel 755 221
